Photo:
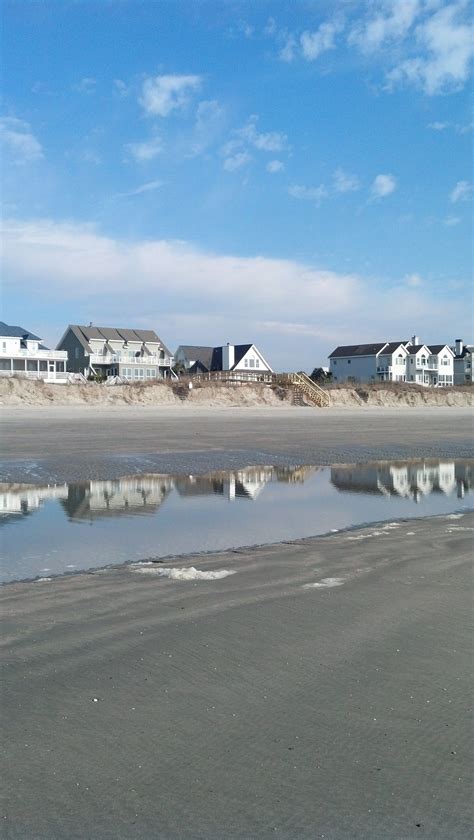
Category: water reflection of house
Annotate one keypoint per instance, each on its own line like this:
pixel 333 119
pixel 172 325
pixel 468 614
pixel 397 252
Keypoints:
pixel 243 484
pixel 136 495
pixel 410 480
pixel 21 500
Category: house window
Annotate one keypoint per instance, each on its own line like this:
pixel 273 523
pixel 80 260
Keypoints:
pixel 4 346
pixel 411 362
pixel 445 360
pixel 257 363
pixel 76 352
pixel 246 362
pixel 252 363
pixel 348 361
pixel 151 373
pixel 334 361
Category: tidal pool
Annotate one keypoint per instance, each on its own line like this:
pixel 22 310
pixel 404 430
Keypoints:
pixel 52 530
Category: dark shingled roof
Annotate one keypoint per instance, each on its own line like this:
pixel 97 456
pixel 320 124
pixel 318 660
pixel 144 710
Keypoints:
pixel 393 345
pixel 9 331
pixel 358 349
pixel 436 348
pixel 415 347
pixel 85 334
pixel 210 358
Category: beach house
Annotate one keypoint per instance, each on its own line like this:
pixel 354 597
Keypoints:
pixel 394 361
pixel 462 363
pixel 131 354
pixel 23 354
pixel 229 357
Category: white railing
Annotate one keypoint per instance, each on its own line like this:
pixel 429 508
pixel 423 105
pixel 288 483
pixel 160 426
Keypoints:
pixel 59 355
pixel 48 376
pixel 123 359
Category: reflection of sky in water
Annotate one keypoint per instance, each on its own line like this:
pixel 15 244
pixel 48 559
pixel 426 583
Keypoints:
pixel 47 531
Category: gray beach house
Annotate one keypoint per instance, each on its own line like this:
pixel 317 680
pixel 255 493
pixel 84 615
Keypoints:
pixel 131 354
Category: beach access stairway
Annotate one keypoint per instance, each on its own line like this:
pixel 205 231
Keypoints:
pixel 300 383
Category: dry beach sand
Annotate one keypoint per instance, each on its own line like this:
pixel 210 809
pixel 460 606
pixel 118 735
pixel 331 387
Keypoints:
pixel 321 690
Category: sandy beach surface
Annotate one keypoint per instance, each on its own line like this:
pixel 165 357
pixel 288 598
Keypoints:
pixel 321 690
pixel 70 443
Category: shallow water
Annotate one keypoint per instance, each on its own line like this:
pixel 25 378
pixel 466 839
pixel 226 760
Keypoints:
pixel 51 530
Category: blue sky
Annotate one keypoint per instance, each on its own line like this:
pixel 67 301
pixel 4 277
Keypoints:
pixel 293 174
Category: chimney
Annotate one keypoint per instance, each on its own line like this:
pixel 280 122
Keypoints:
pixel 459 346
pixel 415 340
pixel 228 356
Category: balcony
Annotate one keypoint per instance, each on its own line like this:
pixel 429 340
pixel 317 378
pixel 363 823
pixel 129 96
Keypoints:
pixel 58 355
pixel 131 361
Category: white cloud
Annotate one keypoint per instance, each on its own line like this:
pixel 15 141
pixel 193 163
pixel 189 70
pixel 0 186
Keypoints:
pixel 391 22
pixel 270 28
pixel 86 85
pixel 121 88
pixel 274 166
pixel 208 127
pixel 413 280
pixel 288 50
pixel 438 126
pixel 445 48
pixel 146 150
pixel 383 185
pixel 19 141
pixel 461 192
pixel 150 186
pixel 163 94
pixel 272 141
pixel 236 161
pixel 315 194
pixel 184 291
pixel 313 44
pixel 344 182
pixel 452 221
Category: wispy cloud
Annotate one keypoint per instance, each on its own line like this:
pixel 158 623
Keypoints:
pixel 313 44
pixel 271 141
pixel 237 161
pixel 314 194
pixel 145 150
pixel 86 85
pixel 383 185
pixel 18 141
pixel 163 94
pixel 388 23
pixel 208 127
pixel 150 186
pixel 274 166
pixel 445 50
pixel 452 221
pixel 345 182
pixel 121 88
pixel 461 192
pixel 413 280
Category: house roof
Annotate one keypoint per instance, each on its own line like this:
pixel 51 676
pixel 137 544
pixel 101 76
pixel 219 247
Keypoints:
pixel 8 331
pixel 239 352
pixel 467 350
pixel 394 345
pixel 198 353
pixel 436 348
pixel 415 348
pixel 86 334
pixel 358 349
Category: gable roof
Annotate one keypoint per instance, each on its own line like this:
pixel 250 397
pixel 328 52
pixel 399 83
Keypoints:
pixel 394 345
pixel 415 348
pixel 86 334
pixel 358 349
pixel 9 331
pixel 436 348
pixel 239 352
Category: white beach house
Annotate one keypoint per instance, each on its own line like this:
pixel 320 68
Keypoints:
pixel 231 357
pixel 23 354
pixel 394 361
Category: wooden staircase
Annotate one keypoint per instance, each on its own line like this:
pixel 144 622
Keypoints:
pixel 303 386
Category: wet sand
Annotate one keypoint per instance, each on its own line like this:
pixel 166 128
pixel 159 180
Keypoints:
pixel 254 706
pixel 82 442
